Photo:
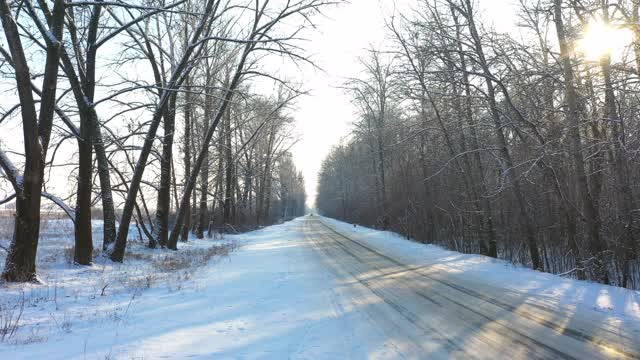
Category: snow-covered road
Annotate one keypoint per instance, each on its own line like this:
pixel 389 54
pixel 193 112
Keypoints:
pixel 314 288
pixel 429 313
pixel 271 299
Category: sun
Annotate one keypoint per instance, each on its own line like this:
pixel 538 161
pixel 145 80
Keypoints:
pixel 602 39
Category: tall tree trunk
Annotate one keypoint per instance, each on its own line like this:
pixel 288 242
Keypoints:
pixel 194 193
pixel 203 214
pixel 83 250
pixel 621 167
pixel 229 173
pixel 163 206
pixel 262 189
pixel 184 235
pixel 108 207
pixel 266 213
pixel 20 264
pixel 591 217
pixel 478 179
pixel 530 233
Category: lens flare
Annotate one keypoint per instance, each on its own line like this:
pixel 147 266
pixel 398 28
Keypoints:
pixel 601 39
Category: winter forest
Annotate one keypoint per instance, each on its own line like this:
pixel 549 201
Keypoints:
pixel 167 118
pixel 522 145
pixel 319 179
pixel 159 118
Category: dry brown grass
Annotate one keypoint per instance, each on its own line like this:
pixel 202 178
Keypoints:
pixel 142 256
pixel 190 258
pixel 170 263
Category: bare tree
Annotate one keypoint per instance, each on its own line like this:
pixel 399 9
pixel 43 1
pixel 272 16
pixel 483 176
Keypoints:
pixel 21 260
pixel 501 144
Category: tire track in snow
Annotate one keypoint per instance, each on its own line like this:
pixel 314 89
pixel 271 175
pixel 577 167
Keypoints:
pixel 607 348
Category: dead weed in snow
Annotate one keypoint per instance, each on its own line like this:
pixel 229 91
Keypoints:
pixel 191 258
pixel 10 319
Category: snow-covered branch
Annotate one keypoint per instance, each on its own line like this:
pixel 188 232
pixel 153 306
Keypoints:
pixel 56 200
pixel 10 171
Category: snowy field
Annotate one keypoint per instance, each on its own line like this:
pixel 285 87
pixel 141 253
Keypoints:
pixel 61 317
pixel 271 298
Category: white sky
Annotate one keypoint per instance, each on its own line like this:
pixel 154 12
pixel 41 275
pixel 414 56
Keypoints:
pixel 325 117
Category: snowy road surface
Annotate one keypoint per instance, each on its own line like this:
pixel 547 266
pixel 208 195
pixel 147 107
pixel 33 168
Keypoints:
pixel 315 288
pixel 427 313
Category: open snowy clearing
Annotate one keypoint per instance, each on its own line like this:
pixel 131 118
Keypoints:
pixel 302 290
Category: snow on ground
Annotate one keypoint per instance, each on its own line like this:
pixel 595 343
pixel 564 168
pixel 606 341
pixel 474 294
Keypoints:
pixel 272 298
pixel 72 301
pixel 583 295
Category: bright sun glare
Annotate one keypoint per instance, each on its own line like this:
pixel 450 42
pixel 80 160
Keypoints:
pixel 602 39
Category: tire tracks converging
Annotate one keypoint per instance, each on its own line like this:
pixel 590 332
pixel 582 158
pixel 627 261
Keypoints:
pixel 484 320
pixel 406 314
pixel 521 338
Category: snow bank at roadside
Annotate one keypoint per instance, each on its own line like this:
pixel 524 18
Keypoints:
pixel 584 295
